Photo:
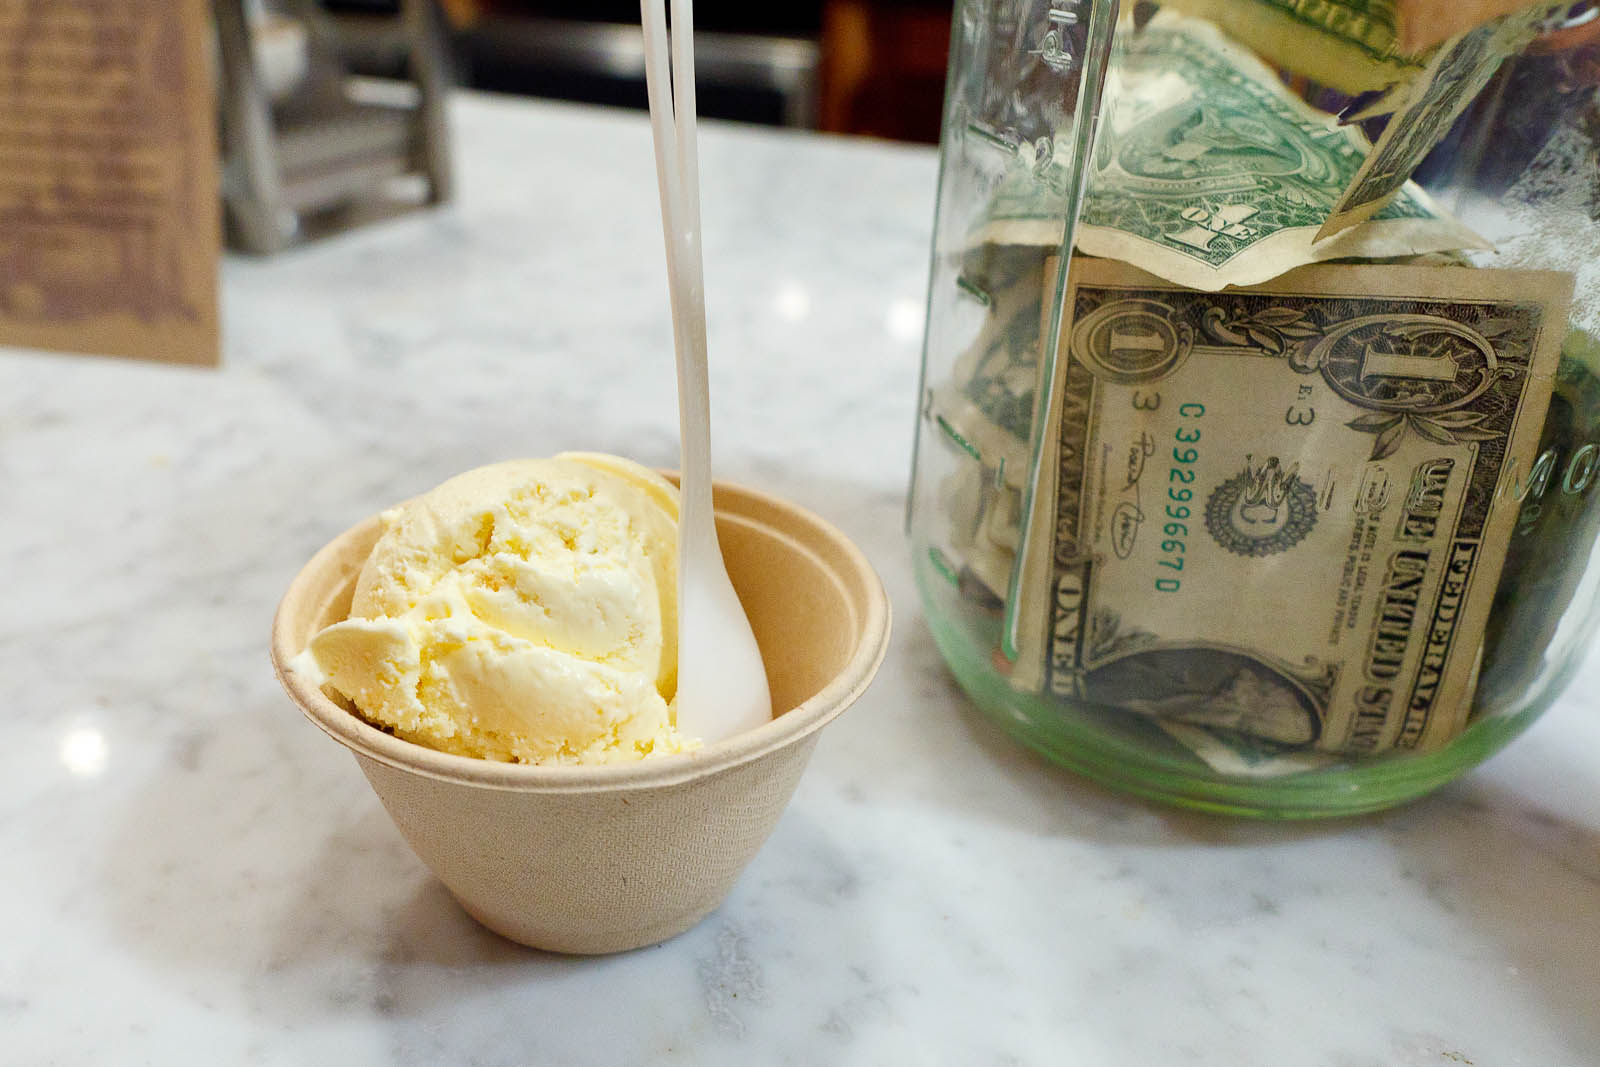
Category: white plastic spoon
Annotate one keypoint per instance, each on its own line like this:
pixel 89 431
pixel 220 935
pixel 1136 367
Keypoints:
pixel 722 684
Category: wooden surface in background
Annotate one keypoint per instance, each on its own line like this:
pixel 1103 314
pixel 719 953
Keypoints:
pixel 1424 23
pixel 883 61
pixel 883 68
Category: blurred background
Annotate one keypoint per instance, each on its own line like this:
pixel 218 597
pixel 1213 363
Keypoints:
pixel 867 67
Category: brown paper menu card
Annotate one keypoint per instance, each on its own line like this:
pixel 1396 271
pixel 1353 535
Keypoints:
pixel 109 218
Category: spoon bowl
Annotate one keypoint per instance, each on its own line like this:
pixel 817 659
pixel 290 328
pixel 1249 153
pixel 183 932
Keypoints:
pixel 722 681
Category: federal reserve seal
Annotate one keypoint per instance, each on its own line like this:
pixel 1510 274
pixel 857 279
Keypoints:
pixel 1262 510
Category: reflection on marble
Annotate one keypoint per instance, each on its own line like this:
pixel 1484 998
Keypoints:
pixel 196 875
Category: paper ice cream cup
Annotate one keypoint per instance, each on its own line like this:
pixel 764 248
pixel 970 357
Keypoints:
pixel 613 857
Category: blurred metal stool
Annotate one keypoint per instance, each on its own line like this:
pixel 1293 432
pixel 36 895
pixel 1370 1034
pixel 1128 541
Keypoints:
pixel 331 151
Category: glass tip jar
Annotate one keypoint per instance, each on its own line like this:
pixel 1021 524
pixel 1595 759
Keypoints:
pixel 1259 421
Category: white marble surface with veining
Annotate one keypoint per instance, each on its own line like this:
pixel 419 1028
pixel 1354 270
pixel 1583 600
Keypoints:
pixel 191 873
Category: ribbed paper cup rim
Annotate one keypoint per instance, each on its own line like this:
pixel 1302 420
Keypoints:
pixel 755 508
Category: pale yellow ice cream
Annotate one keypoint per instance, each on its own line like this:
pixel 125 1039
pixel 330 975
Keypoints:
pixel 523 611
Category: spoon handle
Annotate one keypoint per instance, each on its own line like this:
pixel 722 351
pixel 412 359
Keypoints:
pixel 694 385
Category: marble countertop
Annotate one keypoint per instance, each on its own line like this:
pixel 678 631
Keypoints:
pixel 194 874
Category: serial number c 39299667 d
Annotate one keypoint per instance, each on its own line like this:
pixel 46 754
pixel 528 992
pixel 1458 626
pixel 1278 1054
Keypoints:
pixel 1180 476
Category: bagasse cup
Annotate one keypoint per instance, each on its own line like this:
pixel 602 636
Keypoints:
pixel 602 859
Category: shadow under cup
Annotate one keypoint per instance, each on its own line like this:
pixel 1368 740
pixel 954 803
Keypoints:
pixel 607 858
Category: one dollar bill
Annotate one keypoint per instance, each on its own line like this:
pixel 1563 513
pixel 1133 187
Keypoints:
pixel 1278 515
pixel 1209 172
pixel 1350 45
pixel 1427 109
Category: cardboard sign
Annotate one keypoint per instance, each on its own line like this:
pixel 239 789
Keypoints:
pixel 109 217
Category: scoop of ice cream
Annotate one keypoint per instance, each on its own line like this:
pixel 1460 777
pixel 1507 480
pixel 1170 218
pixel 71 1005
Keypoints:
pixel 522 611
